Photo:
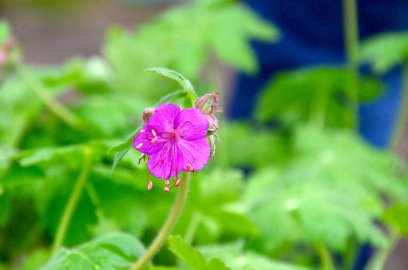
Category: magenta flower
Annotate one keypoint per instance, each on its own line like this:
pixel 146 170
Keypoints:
pixel 175 140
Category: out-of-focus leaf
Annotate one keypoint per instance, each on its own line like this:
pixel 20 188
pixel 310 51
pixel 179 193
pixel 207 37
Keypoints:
pixel 215 208
pixel 50 200
pixel 35 259
pixel 230 42
pixel 4 206
pixel 186 37
pixel 385 51
pixel 330 192
pixel 32 157
pixel 112 251
pixel 236 258
pixel 317 94
pixel 248 146
pixel 193 257
pixel 396 216
pixel 4 31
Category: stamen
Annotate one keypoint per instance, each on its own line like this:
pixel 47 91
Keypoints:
pixel 142 131
pixel 190 167
pixel 149 185
pixel 167 189
pixel 154 133
pixel 153 140
pixel 142 156
pixel 167 182
pixel 177 183
pixel 139 146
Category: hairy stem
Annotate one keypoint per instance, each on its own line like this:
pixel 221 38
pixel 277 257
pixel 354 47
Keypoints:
pixel 165 231
pixel 52 104
pixel 351 43
pixel 72 202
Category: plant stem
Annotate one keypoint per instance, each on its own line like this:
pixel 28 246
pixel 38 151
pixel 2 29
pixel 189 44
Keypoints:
pixel 403 114
pixel 351 43
pixel 325 257
pixel 72 202
pixel 56 107
pixel 165 231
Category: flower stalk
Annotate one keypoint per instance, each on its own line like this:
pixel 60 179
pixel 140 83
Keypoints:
pixel 168 226
pixel 72 202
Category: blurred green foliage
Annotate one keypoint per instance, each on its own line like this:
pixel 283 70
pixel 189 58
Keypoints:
pixel 297 180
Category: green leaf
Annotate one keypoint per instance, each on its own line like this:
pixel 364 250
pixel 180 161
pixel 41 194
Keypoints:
pixel 50 199
pixel 113 251
pixel 232 28
pixel 396 217
pixel 180 79
pixel 214 210
pixel 314 95
pixel 238 259
pixel 4 31
pixel 32 157
pixel 4 207
pixel 333 167
pixel 193 257
pixel 385 51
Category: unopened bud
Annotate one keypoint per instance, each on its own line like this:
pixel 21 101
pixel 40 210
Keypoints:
pixel 208 103
pixel 212 139
pixel 212 124
pixel 147 113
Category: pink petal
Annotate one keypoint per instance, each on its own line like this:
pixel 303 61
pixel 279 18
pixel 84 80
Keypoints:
pixel 191 124
pixel 167 163
pixel 195 153
pixel 144 141
pixel 163 118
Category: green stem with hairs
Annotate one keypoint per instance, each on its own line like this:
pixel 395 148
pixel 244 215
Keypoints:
pixel 72 202
pixel 168 226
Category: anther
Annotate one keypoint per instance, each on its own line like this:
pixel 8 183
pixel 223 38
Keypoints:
pixel 190 167
pixel 139 146
pixel 153 140
pixel 154 133
pixel 149 185
pixel 142 131
pixel 167 189
pixel 167 182
pixel 177 183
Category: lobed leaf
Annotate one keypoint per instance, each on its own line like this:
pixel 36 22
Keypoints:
pixel 112 251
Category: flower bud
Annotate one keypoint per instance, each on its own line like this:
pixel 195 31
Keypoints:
pixel 208 103
pixel 147 113
pixel 213 124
